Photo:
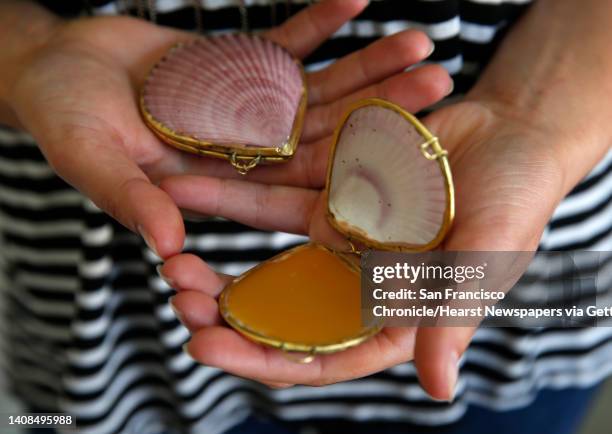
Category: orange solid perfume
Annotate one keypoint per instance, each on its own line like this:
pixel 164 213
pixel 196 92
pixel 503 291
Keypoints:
pixel 388 187
pixel 302 300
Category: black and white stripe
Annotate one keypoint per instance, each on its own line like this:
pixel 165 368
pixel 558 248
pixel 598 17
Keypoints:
pixel 88 329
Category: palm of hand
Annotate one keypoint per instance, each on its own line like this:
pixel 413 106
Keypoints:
pixel 504 176
pixel 507 179
pixel 82 88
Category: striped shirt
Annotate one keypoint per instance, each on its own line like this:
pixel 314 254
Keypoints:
pixel 88 330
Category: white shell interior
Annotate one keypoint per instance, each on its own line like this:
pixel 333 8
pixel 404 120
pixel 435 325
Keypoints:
pixel 382 186
pixel 228 89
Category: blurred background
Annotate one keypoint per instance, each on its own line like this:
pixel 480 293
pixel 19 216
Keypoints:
pixel 598 421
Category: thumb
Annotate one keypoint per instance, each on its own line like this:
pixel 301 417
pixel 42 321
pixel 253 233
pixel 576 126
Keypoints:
pixel 96 165
pixel 436 356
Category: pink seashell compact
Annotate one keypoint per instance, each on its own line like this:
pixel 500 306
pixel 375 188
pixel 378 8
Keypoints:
pixel 389 183
pixel 239 97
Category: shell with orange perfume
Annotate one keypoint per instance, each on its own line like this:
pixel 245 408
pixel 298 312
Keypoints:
pixel 388 187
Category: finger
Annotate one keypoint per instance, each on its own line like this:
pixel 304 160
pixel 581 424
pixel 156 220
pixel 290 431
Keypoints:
pixel 266 207
pixel 93 162
pixel 306 169
pixel 226 349
pixel 437 353
pixel 381 59
pixel 304 32
pixel 413 90
pixel 321 230
pixel 273 385
pixel 187 272
pixel 196 310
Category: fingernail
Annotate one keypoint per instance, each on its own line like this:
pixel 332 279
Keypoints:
pixel 177 313
pixel 186 350
pixel 148 239
pixel 194 217
pixel 170 282
pixel 432 47
pixel 440 400
pixel 451 88
pixel 452 374
pixel 278 386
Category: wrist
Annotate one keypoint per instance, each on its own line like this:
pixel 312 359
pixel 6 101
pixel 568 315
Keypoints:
pixel 574 134
pixel 550 78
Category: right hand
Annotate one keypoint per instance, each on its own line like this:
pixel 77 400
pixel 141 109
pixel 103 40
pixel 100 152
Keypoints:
pixel 77 95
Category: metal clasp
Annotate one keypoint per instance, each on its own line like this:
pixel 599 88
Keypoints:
pixel 244 167
pixel 354 250
pixel 438 151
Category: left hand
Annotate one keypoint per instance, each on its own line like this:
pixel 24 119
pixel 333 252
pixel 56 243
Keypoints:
pixel 505 174
pixel 529 131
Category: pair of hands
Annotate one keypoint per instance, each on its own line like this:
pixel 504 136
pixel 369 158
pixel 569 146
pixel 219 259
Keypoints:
pixel 77 95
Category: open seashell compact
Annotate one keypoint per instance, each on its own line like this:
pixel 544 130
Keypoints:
pixel 388 187
pixel 237 96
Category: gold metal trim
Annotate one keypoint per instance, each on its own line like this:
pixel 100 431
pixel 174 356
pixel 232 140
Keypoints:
pixel 244 167
pixel 227 151
pixel 438 154
pixel 293 347
pixel 354 250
